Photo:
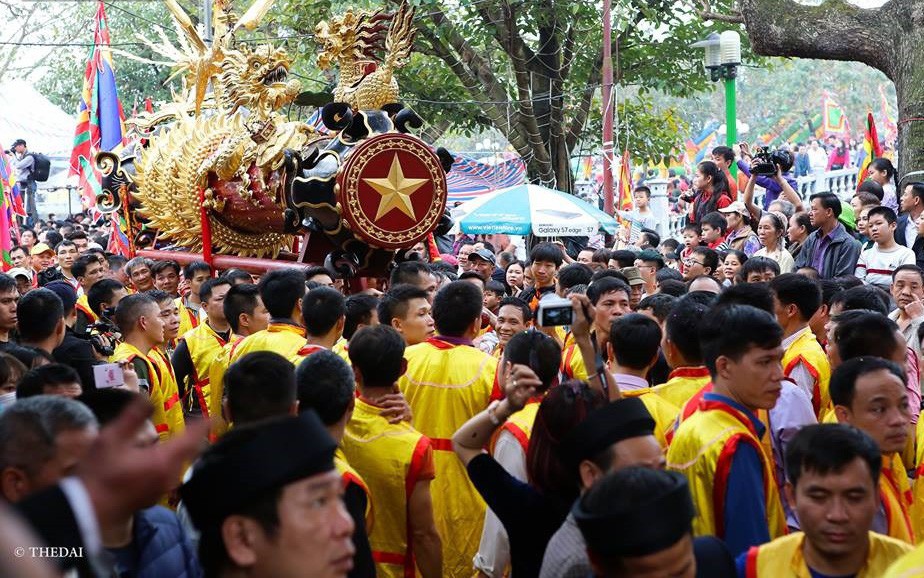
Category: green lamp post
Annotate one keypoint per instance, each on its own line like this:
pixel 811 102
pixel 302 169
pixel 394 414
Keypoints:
pixel 723 55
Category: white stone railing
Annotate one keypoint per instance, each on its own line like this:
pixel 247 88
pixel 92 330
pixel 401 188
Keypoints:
pixel 842 183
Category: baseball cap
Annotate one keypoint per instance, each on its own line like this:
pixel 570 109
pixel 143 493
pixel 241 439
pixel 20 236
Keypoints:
pixel 40 248
pixel 847 216
pixel 650 255
pixel 735 207
pixel 17 271
pixel 65 291
pixel 482 254
pixel 633 275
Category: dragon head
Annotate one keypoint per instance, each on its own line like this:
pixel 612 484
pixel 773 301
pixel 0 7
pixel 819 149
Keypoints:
pixel 354 36
pixel 258 78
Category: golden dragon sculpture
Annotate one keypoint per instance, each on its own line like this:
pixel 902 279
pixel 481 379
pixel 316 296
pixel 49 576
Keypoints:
pixel 222 151
pixel 227 155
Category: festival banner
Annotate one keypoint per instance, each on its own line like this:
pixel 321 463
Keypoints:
pixel 835 121
pixel 100 119
pixel 891 129
pixel 871 146
pixel 7 222
pixel 13 191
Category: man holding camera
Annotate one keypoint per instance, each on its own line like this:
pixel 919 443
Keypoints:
pixel 769 182
pixel 24 164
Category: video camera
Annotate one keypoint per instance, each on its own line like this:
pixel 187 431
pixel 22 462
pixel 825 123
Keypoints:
pixel 102 335
pixel 765 161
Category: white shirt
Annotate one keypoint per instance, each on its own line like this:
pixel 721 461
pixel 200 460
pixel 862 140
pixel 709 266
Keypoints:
pixel 818 158
pixel 626 382
pixel 493 555
pixel 875 266
pixel 781 256
pixel 792 411
pixel 911 231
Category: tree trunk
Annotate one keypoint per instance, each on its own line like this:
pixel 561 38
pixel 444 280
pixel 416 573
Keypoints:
pixel 889 38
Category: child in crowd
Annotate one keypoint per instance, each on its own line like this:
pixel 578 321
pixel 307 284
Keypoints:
pixel 877 263
pixel 714 226
pixel 692 238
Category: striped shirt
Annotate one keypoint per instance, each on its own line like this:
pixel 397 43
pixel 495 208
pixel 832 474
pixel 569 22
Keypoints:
pixel 875 266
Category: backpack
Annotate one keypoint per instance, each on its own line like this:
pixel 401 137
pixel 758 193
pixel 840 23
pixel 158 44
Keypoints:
pixel 41 168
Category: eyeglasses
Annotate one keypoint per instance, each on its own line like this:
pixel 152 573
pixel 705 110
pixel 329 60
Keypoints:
pixel 688 261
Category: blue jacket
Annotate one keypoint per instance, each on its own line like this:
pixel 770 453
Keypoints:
pixel 159 548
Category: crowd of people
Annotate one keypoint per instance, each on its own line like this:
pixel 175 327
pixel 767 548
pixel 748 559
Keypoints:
pixel 730 405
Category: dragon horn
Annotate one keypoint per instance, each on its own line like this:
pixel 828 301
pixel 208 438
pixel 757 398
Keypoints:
pixel 186 24
pixel 254 14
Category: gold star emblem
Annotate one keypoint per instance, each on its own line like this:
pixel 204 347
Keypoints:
pixel 396 190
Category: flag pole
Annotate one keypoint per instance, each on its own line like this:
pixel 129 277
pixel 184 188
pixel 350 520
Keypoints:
pixel 607 110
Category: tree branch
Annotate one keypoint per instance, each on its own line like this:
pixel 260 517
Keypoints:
pixel 707 13
pixel 833 30
pixel 734 18
pixel 480 83
pixel 579 118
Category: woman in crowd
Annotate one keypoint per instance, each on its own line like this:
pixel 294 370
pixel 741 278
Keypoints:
pixel 839 157
pixel 711 188
pixel 514 275
pixel 883 172
pixel 740 235
pixel 731 265
pixel 770 231
pixel 531 513
pixel 800 227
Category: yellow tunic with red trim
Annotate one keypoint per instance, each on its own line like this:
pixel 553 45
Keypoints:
pixel 911 565
pixel 204 347
pixel 304 351
pixel 189 319
pixel 572 364
pixel 391 458
pixel 217 375
pixel 520 424
pixel 282 338
pixel 896 496
pixel 662 412
pixel 446 385
pixel 83 305
pixel 805 349
pixel 681 385
pixel 566 337
pixel 692 406
pixel 349 475
pixel 783 558
pixel 703 448
pixel 342 349
pixel 917 488
pixel 165 397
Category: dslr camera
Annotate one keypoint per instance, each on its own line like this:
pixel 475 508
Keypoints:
pixel 765 161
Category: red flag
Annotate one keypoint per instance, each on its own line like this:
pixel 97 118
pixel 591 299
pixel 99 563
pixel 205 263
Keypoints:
pixel 625 202
pixel 872 147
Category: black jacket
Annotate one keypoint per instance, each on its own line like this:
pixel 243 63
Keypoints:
pixel 77 353
pixel 916 244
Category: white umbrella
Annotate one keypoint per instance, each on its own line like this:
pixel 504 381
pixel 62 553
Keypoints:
pixel 525 209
